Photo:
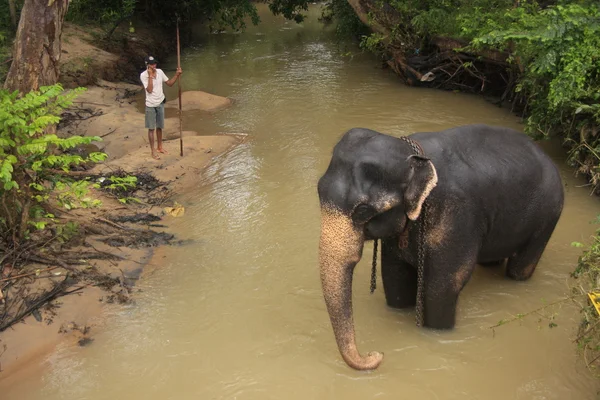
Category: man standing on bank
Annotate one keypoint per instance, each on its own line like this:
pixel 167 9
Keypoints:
pixel 152 79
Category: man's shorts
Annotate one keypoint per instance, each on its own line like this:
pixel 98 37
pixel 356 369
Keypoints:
pixel 155 117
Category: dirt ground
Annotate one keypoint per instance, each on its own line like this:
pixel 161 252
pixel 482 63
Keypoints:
pixel 107 109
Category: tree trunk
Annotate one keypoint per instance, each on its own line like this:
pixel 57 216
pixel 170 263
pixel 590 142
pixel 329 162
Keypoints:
pixel 37 45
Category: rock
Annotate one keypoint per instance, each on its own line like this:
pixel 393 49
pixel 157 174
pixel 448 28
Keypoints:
pixel 197 100
pixel 174 135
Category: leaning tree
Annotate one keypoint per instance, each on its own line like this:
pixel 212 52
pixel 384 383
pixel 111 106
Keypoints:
pixel 37 48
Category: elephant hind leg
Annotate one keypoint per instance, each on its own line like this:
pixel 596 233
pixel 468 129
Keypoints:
pixel 522 264
pixel 399 277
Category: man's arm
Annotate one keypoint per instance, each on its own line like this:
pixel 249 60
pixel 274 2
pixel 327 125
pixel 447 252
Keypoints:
pixel 172 81
pixel 147 82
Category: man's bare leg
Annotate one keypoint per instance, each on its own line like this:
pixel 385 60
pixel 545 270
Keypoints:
pixel 151 140
pixel 159 144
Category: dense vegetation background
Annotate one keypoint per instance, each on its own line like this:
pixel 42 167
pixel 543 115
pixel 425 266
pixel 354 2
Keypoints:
pixel 541 57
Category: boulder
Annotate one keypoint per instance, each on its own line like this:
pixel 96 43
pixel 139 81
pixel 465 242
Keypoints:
pixel 174 135
pixel 198 100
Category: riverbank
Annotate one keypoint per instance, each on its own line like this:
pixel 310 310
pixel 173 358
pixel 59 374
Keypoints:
pixel 107 109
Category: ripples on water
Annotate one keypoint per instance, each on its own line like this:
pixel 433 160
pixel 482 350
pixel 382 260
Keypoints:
pixel 239 314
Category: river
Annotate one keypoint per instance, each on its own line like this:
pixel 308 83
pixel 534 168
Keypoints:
pixel 239 313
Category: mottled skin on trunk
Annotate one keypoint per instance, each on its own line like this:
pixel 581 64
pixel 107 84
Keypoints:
pixel 340 248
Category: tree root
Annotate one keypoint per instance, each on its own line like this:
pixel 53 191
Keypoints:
pixel 447 67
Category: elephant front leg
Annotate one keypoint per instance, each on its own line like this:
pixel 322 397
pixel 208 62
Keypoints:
pixel 399 277
pixel 445 277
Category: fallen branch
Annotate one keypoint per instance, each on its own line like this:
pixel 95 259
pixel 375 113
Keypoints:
pixel 89 102
pixel 107 222
pixel 48 296
pixel 27 274
pixel 106 134
pixel 49 260
pixel 521 316
pixel 101 255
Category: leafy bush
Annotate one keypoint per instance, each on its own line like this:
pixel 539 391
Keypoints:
pixel 7 32
pixel 588 275
pixel 553 47
pixel 104 11
pixel 558 50
pixel 33 163
pixel 347 23
pixel 231 13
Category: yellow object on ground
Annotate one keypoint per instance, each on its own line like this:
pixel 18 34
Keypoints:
pixel 595 298
pixel 176 211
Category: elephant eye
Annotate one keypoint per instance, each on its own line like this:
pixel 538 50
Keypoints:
pixel 362 213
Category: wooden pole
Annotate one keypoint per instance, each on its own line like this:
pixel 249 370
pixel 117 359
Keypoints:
pixel 179 86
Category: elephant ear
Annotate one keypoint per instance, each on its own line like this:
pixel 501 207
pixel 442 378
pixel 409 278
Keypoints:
pixel 422 179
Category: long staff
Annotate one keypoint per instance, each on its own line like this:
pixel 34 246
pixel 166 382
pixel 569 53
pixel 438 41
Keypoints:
pixel 179 86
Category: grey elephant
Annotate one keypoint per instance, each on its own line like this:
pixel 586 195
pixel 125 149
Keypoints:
pixel 441 202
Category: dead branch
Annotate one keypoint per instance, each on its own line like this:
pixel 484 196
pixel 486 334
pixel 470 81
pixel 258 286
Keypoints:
pixel 27 274
pixel 87 255
pixel 49 260
pixel 46 297
pixel 521 316
pixel 106 134
pixel 89 102
pixel 105 221
pixel 71 173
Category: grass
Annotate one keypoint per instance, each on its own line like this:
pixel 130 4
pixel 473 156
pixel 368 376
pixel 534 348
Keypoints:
pixel 587 274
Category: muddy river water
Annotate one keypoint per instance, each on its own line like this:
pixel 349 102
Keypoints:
pixel 239 314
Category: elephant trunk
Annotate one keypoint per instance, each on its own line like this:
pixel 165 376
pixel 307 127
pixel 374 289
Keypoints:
pixel 340 249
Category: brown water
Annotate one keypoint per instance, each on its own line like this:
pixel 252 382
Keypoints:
pixel 239 313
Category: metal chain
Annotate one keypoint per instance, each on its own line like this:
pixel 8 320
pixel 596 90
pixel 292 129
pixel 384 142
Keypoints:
pixel 420 252
pixel 374 268
pixel 420 306
pixel 413 145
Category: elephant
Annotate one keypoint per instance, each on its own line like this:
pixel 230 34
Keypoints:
pixel 441 203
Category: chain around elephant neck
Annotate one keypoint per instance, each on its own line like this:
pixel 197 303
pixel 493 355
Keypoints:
pixel 374 268
pixel 420 306
pixel 415 147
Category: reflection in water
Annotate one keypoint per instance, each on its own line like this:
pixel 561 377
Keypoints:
pixel 240 314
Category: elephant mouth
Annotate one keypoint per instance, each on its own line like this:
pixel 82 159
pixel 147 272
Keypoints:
pixel 380 227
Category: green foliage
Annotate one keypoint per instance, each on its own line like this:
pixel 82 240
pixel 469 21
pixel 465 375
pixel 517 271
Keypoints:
pixel 587 274
pixel 553 46
pixel 103 11
pixel 347 23
pixel 219 14
pixel 7 33
pixel 374 42
pixel 290 9
pixel 120 186
pixel 75 194
pixel 121 183
pixel 65 232
pixel 5 50
pixel 35 163
pixel 558 49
